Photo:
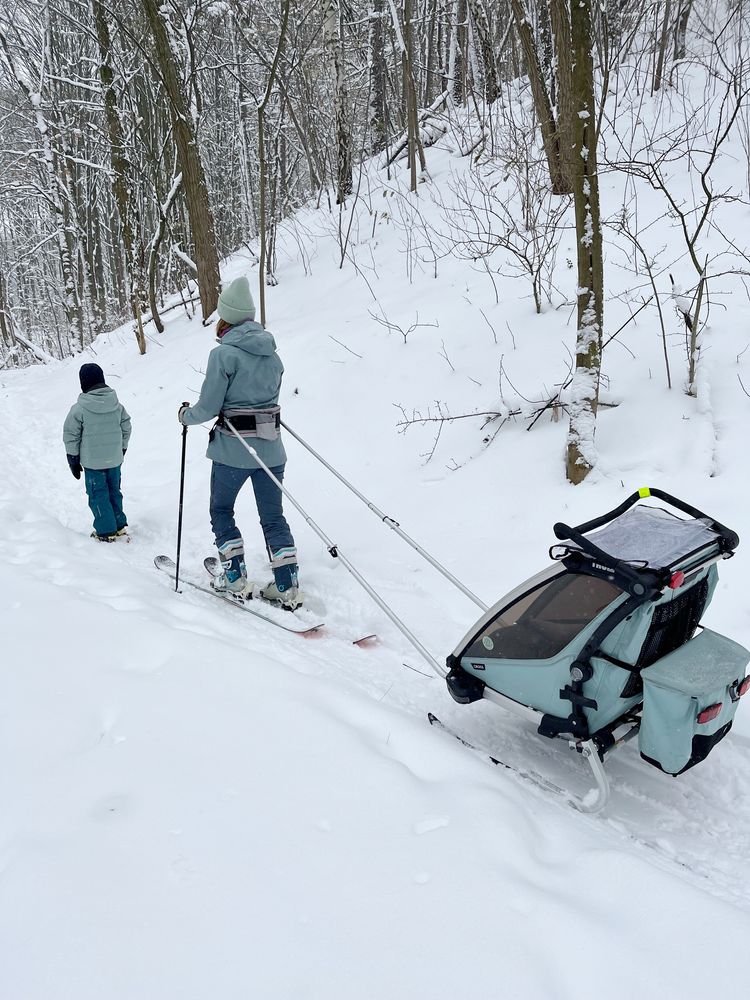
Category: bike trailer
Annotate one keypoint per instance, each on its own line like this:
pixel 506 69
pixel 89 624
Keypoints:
pixel 605 644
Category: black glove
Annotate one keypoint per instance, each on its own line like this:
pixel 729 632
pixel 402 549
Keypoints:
pixel 183 407
pixel 74 462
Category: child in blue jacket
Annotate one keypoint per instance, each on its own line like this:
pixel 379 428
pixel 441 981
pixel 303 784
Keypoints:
pixel 96 434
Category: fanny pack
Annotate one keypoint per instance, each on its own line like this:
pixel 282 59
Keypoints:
pixel 250 423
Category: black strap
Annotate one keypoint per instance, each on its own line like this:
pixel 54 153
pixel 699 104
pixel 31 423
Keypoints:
pixel 242 422
pixel 245 421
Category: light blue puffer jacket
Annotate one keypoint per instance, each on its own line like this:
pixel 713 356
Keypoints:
pixel 244 370
pixel 97 428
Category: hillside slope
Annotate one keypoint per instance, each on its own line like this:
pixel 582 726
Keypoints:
pixel 195 805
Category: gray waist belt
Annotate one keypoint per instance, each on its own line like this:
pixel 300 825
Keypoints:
pixel 249 423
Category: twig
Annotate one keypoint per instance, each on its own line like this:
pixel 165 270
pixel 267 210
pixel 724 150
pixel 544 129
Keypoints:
pixel 345 347
pixel 494 334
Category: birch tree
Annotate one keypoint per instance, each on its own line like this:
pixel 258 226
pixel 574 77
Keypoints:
pixel 333 42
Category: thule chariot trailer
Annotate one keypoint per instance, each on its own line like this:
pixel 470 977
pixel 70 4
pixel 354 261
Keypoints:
pixel 606 644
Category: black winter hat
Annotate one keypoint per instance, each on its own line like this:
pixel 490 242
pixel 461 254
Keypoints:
pixel 91 376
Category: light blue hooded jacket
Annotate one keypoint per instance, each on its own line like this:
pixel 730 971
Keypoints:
pixel 97 429
pixel 244 370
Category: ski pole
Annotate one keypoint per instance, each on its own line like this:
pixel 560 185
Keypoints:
pixel 335 552
pixel 179 513
pixel 394 525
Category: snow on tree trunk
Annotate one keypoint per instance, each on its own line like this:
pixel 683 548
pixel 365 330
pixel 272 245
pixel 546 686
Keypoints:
pixel 54 189
pixel 584 388
pixel 377 68
pixel 540 94
pixel 333 43
pixel 121 182
pixel 193 175
pixel 489 66
pixel 680 33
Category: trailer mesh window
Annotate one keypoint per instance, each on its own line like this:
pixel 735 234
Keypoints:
pixel 673 623
pixel 541 623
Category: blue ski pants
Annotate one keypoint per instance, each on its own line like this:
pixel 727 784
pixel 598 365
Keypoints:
pixel 105 499
pixel 226 483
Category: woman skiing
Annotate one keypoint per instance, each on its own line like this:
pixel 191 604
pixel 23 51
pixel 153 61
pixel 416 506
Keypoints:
pixel 242 384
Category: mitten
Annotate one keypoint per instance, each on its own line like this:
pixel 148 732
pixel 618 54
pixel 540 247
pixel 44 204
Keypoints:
pixel 74 462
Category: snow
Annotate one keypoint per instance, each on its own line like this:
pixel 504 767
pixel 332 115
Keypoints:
pixel 196 805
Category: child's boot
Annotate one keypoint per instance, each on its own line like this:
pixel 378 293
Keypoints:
pixel 104 538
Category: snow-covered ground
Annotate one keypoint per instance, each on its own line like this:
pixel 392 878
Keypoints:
pixel 196 805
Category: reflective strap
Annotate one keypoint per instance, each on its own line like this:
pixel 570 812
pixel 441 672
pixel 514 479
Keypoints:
pixel 284 557
pixel 234 547
pixel 252 423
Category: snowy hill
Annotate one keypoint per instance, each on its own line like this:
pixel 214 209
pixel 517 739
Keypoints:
pixel 196 805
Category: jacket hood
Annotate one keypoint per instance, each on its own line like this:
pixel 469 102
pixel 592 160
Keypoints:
pixel 251 338
pixel 101 400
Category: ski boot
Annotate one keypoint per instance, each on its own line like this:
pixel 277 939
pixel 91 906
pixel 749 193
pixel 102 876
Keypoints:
pixel 234 578
pixel 284 588
pixel 104 538
pixel 289 599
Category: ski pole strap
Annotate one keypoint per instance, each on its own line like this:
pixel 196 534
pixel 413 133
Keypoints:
pixel 251 423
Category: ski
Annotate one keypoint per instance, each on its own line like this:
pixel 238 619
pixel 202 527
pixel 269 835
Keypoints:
pixel 365 640
pixel 167 565
pixel 523 774
pixel 214 569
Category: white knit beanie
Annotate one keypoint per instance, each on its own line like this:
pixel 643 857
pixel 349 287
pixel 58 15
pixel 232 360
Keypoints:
pixel 236 303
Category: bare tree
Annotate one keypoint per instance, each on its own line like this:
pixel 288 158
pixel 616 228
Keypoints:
pixel 333 42
pixel 122 181
pixel 262 106
pixel 542 100
pixel 584 389
pixel 193 176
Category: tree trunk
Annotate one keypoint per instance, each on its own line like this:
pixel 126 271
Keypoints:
pixel 6 323
pixel 262 165
pixel 560 20
pixel 489 67
pixel 457 71
pixel 410 96
pixel 542 103
pixel 379 135
pixel 680 31
pixel 121 180
pixel 662 48
pixel 193 176
pixel 584 390
pixel 333 42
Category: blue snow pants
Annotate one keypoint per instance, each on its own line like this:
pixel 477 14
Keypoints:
pixel 105 499
pixel 226 483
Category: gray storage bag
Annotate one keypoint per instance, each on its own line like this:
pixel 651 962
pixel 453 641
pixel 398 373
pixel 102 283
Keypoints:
pixel 689 700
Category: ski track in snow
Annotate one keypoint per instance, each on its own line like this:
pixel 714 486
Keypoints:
pixel 697 826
